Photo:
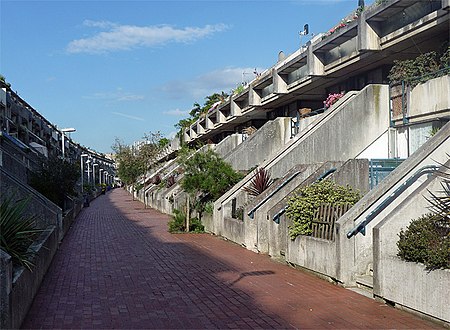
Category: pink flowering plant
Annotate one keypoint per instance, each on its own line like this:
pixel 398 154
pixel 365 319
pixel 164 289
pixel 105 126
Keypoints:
pixel 332 99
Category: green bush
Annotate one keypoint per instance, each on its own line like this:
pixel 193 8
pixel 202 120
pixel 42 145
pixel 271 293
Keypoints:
pixel 421 69
pixel 209 208
pixel 17 232
pixel 306 200
pixel 196 226
pixel 426 240
pixel 56 179
pixel 178 223
pixel 206 173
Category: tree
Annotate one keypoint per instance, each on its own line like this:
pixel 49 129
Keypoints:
pixel 128 167
pixel 3 79
pixel 135 161
pixel 205 173
pixel 56 179
pixel 198 110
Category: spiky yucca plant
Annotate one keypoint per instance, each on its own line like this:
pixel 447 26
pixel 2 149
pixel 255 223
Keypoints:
pixel 17 231
pixel 440 204
pixel 170 181
pixel 260 182
pixel 156 179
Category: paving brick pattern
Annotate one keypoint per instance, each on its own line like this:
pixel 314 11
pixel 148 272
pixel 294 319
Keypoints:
pixel 119 268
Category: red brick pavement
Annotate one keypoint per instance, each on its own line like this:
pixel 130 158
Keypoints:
pixel 119 268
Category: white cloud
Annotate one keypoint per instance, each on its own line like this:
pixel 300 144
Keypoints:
pixel 176 112
pixel 126 37
pixel 128 116
pixel 118 95
pixel 211 82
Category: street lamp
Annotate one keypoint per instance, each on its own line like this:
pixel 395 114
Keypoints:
pixel 93 172
pixel 82 171
pixel 88 169
pixel 65 130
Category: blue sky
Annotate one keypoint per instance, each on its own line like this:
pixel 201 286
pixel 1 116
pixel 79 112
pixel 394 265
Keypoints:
pixel 125 68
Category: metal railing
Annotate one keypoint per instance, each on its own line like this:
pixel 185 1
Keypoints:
pixel 276 216
pixel 381 168
pixel 361 227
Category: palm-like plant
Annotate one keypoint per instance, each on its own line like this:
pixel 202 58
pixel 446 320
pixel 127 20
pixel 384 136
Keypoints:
pixel 440 204
pixel 156 179
pixel 17 231
pixel 260 182
pixel 170 181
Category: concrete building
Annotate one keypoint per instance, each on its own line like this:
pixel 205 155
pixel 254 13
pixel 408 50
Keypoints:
pixel 386 140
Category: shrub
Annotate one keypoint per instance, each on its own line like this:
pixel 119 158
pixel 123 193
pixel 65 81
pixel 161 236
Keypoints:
pixel 196 226
pixel 138 187
pixel 260 182
pixel 426 240
pixel 170 181
pixel 56 179
pixel 178 223
pixel 209 208
pixel 306 200
pixel 156 180
pixel 205 173
pixel 17 232
pixel 421 69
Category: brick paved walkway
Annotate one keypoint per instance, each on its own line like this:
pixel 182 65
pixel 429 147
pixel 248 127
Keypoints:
pixel 119 268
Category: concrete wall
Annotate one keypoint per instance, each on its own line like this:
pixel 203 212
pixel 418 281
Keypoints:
pixel 337 135
pixel 355 255
pixel 227 145
pixel 18 286
pixel 317 254
pixel 428 98
pixel 341 134
pixel 259 229
pixel 26 283
pixel 47 213
pixel 261 145
pixel 407 283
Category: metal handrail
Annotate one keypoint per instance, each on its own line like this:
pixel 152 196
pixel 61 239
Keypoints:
pixel 361 227
pixel 277 215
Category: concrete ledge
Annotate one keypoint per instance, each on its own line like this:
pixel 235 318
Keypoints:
pixel 25 284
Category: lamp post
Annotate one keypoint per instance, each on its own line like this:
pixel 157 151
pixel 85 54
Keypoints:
pixel 82 171
pixel 89 170
pixel 93 172
pixel 65 130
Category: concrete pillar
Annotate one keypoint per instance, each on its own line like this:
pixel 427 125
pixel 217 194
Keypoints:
pixel 220 117
pixel 235 109
pixel 279 84
pixel 254 99
pixel 209 123
pixel 367 38
pixel 192 133
pixel 200 129
pixel 186 137
pixel 315 65
pixel 5 290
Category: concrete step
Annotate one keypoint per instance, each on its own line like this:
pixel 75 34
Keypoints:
pixel 365 282
pixel 363 292
pixel 364 286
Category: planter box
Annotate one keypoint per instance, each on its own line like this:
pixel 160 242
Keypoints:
pixel 410 285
